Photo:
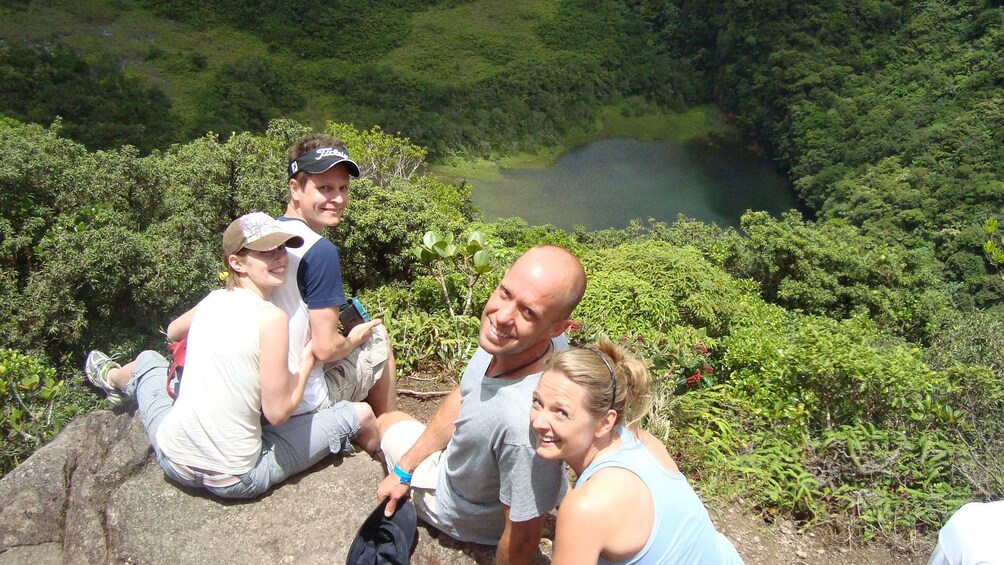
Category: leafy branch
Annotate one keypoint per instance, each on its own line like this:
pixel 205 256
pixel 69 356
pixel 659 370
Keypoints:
pixel 993 247
pixel 472 259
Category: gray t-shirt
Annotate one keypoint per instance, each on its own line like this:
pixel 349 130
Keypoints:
pixel 491 459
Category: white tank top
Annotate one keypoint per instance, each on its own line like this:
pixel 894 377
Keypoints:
pixel 288 298
pixel 215 424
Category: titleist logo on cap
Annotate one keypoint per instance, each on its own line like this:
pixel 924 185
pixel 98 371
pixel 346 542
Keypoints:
pixel 320 159
pixel 325 152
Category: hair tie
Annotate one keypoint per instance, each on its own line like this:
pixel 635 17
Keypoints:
pixel 613 379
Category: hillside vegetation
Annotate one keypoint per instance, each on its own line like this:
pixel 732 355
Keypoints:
pixel 476 77
pixel 888 116
pixel 845 371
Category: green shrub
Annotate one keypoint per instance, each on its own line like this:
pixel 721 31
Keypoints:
pixel 845 425
pixel 31 413
pixel 775 477
pixel 704 431
pixel 969 350
pixel 426 338
pixel 834 270
pixel 885 480
pixel 685 363
pixel 383 224
pixel 713 241
pixel 436 342
pixel 823 374
pixel 644 289
pixel 513 236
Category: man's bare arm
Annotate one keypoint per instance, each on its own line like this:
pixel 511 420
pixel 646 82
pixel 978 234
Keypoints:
pixel 435 437
pixel 328 343
pixel 520 541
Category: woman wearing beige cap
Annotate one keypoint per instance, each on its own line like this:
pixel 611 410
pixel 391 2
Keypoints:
pixel 235 372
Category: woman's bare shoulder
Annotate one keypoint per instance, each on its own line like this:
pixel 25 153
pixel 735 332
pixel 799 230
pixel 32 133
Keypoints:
pixel 607 489
pixel 658 451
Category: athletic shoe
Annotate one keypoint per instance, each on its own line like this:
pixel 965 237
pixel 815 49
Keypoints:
pixel 96 368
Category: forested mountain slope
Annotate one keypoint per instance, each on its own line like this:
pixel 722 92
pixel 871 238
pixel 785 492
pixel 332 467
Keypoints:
pixel 477 76
pixel 888 115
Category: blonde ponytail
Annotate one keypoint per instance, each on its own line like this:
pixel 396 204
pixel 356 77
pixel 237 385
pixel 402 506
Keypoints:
pixel 613 379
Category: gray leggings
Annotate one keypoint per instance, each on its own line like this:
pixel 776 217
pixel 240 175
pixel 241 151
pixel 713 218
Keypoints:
pixel 286 450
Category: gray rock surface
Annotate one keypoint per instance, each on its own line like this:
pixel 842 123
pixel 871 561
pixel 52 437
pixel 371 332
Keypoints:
pixel 95 495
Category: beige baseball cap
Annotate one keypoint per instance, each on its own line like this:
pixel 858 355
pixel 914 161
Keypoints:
pixel 256 231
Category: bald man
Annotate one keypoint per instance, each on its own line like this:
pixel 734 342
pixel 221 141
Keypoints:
pixel 473 472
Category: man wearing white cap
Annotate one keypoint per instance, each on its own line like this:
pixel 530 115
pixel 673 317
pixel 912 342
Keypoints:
pixel 357 366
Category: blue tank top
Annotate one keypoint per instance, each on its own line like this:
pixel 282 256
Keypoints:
pixel 682 531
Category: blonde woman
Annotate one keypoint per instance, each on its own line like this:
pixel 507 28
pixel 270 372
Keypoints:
pixel 631 504
pixel 235 372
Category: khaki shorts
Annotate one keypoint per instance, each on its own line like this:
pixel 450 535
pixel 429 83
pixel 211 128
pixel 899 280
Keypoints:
pixel 351 377
pixel 396 441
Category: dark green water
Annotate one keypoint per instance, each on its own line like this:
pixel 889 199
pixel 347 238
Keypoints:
pixel 607 183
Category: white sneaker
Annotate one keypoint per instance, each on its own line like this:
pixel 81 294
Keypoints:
pixel 96 368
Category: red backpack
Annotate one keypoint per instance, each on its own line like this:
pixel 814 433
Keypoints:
pixel 177 351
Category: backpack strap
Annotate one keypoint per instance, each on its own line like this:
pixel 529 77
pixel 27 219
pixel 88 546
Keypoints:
pixel 177 352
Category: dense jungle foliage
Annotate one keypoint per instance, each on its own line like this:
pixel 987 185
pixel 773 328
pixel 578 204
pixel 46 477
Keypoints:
pixel 96 104
pixel 846 371
pixel 888 116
